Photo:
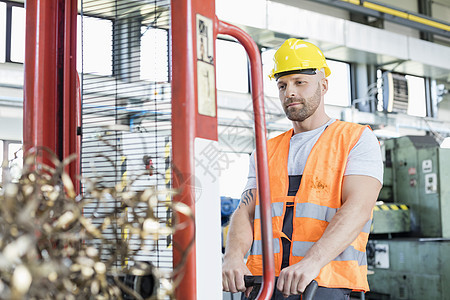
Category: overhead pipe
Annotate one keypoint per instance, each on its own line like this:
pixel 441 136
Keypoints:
pixel 393 14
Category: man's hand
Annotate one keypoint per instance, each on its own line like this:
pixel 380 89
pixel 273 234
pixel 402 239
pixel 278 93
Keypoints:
pixel 239 240
pixel 294 279
pixel 233 271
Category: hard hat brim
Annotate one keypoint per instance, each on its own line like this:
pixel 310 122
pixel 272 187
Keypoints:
pixel 309 71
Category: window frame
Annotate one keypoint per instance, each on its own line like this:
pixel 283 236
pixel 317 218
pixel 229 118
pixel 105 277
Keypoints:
pixel 5 155
pixel 8 35
pixel 350 76
pixel 167 49
pixel 247 67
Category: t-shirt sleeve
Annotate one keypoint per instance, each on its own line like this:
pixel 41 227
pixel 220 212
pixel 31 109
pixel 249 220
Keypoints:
pixel 251 179
pixel 365 157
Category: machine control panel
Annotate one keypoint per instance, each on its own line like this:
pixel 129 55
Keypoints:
pixel 430 183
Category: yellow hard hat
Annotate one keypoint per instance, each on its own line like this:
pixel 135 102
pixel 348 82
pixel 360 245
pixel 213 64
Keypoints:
pixel 298 56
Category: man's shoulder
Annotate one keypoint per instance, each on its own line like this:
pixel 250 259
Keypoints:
pixel 280 136
pixel 349 125
pixel 347 129
pixel 361 137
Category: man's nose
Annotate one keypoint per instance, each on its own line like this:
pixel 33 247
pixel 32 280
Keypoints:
pixel 290 91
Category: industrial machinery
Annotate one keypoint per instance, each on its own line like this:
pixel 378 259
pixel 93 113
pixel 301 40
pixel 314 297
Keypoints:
pixel 410 240
pixel 227 206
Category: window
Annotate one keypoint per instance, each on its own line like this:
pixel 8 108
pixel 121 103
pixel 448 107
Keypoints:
pixel 18 34
pixel 154 54
pixel 231 67
pixel 2 32
pixel 12 32
pixel 233 178
pixel 95 59
pixel 15 158
pixel 12 159
pixel 338 84
pixel 416 96
pixel 270 86
pixel 2 158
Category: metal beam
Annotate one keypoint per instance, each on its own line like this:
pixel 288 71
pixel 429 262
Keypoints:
pixel 392 14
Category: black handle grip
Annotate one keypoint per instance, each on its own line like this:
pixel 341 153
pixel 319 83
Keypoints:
pixel 250 280
pixel 308 294
pixel 310 290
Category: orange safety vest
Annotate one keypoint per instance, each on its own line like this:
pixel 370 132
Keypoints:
pixel 316 202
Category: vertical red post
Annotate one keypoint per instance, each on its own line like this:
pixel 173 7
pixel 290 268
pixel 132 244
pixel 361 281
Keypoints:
pixel 189 122
pixel 71 100
pixel 183 134
pixel 50 99
pixel 41 75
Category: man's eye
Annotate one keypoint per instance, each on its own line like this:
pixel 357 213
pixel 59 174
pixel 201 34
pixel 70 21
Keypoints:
pixel 281 87
pixel 300 82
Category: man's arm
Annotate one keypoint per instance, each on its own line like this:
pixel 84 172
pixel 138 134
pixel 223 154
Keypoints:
pixel 359 194
pixel 239 241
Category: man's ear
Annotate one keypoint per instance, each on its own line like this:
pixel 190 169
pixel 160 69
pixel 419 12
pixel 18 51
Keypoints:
pixel 324 85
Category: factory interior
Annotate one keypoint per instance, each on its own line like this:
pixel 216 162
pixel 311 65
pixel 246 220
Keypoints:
pixel 126 129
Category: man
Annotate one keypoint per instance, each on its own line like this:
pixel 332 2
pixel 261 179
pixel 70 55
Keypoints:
pixel 325 176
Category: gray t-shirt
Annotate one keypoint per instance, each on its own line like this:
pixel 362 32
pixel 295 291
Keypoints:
pixel 364 158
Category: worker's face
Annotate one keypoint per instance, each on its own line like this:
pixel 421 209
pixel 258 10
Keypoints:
pixel 301 94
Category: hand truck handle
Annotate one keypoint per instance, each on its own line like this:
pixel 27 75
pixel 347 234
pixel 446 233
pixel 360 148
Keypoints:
pixel 308 294
pixel 261 153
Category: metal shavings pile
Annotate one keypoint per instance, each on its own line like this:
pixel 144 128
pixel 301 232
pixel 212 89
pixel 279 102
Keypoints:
pixel 49 250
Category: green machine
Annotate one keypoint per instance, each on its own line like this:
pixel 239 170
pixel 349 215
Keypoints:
pixel 409 268
pixel 409 247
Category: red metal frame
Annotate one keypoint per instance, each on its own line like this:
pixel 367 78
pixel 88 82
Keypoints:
pixel 71 96
pixel 40 87
pixel 187 124
pixel 261 153
pixel 50 98
pixel 183 135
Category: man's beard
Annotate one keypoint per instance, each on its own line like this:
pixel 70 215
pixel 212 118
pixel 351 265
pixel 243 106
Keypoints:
pixel 310 105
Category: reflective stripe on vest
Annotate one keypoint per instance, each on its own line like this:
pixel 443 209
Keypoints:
pixel 300 249
pixel 310 210
pixel 323 213
pixel 257 247
pixel 277 210
pixel 366 227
